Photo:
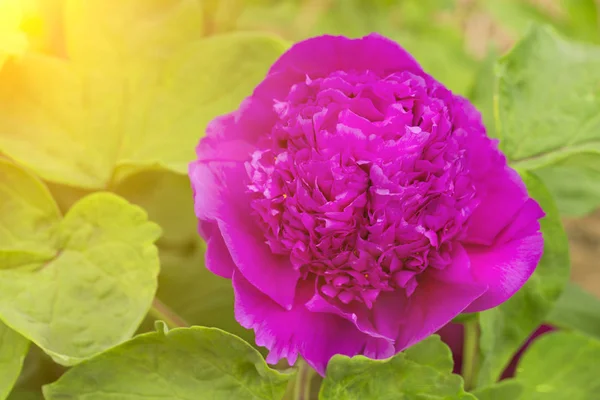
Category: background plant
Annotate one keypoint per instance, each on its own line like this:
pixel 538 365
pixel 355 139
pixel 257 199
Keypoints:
pixel 101 105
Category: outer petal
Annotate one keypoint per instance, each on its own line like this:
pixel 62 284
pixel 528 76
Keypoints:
pixel 315 336
pixel 272 274
pixel 506 266
pixel 525 222
pixel 220 196
pixel 219 189
pixel 438 299
pixel 232 137
pixel 505 195
pixel 372 52
pixel 218 259
pixel 381 322
pixel 359 316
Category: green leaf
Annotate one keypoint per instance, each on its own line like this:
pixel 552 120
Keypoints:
pixel 561 366
pixel 13 348
pixel 138 88
pixel 185 363
pixel 28 218
pixel 577 310
pixel 584 19
pixel 424 371
pixel 431 352
pixel 548 99
pixel 573 182
pixel 94 282
pixel 504 390
pixel 506 327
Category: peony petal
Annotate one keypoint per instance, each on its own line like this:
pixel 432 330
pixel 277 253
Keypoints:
pixel 438 299
pixel 220 196
pixel 358 315
pixel 271 274
pixel 504 267
pixel 288 333
pixel 505 196
pixel 387 312
pixel 380 324
pixel 233 136
pixel 525 222
pixel 219 188
pixel 373 52
pixel 218 259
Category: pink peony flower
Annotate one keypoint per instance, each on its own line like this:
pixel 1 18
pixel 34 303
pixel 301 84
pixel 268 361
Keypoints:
pixel 358 205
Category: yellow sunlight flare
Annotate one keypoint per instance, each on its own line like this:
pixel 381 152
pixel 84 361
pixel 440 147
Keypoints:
pixel 13 40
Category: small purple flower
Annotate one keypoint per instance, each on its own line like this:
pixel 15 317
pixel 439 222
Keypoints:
pixel 358 205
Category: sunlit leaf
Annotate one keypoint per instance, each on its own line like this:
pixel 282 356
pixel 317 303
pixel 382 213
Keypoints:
pixel 136 90
pixel 78 285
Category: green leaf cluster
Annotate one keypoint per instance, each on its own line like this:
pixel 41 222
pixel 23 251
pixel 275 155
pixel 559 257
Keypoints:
pixel 99 118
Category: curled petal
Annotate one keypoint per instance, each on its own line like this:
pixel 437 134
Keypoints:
pixel 271 274
pixel 232 137
pixel 505 267
pixel 505 195
pixel 439 298
pixel 359 316
pixel 316 336
pixel 218 188
pixel 218 259
pixel 220 197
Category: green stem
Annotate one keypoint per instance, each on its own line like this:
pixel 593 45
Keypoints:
pixel 303 380
pixel 470 353
pixel 160 311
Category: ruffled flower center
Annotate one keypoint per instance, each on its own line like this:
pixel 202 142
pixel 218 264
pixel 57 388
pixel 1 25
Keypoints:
pixel 363 182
